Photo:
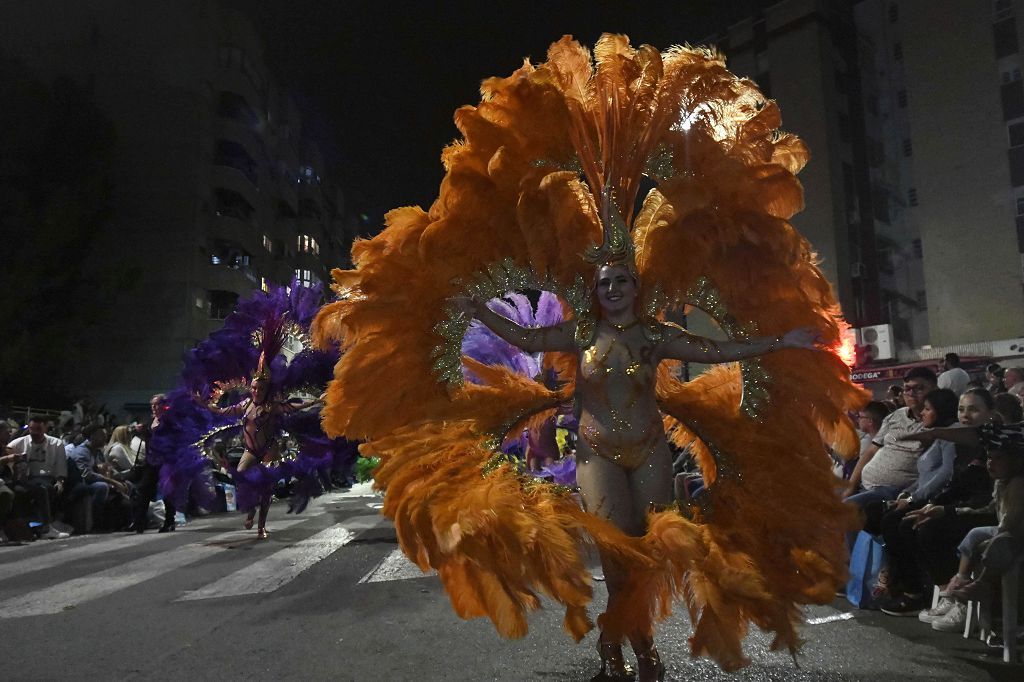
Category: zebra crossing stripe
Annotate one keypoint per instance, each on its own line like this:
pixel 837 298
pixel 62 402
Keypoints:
pixel 69 553
pixel 280 568
pixel 395 566
pixel 72 593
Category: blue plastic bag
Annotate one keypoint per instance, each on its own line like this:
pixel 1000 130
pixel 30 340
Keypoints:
pixel 867 561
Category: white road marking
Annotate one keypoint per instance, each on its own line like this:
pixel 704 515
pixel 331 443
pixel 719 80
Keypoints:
pixel 395 566
pixel 72 553
pixel 830 619
pixel 280 568
pixel 72 593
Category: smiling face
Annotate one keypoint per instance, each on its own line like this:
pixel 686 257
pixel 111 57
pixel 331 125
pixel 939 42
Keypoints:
pixel 260 386
pixel 972 410
pixel 616 289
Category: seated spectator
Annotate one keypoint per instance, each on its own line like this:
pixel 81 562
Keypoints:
pixel 991 550
pixel 869 421
pixel 84 476
pixel 890 464
pixel 953 376
pixel 6 479
pixel 118 454
pixel 894 397
pixel 1013 380
pixel 40 472
pixel 941 468
pixel 994 378
pixel 1009 408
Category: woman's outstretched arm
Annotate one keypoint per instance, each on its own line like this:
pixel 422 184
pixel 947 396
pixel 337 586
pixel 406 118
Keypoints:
pixel 530 339
pixel 679 344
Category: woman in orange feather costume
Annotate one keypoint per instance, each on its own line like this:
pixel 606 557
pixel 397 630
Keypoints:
pixel 550 166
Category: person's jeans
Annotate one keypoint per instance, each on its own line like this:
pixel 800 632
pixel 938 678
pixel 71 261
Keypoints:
pixel 97 490
pixel 879 494
pixel 41 494
pixel 970 545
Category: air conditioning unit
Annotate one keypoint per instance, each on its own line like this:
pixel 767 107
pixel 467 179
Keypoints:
pixel 1008 348
pixel 878 338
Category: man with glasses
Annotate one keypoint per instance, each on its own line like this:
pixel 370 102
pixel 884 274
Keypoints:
pixel 890 464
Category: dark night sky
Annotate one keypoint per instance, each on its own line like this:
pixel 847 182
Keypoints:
pixel 378 81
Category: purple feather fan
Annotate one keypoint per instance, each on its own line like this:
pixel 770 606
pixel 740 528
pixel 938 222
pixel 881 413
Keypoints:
pixel 484 346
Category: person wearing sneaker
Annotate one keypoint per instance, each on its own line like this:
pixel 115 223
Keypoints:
pixel 968 483
pixel 40 472
pixel 993 549
pixel 935 468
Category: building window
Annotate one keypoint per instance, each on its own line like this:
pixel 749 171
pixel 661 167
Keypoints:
pixel 230 56
pixel 231 204
pixel 912 196
pixel 1010 75
pixel 901 99
pixel 1002 9
pixel 1012 95
pixel 264 284
pixel 894 12
pixel 234 106
pixel 309 209
pixel 1004 35
pixel 222 303
pixel 230 255
pixel 308 244
pixel 1016 131
pixel 897 52
pixel 1016 155
pixel 908 147
pixel 922 300
pixel 304 277
pixel 308 176
pixel 230 153
pixel 268 244
pixel 844 127
pixel 918 249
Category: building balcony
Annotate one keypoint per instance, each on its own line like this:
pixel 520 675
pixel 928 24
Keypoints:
pixel 224 278
pixel 233 80
pixel 243 134
pixel 242 232
pixel 235 180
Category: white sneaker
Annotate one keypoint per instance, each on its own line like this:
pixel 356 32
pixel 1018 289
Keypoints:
pixel 940 610
pixel 54 534
pixel 953 621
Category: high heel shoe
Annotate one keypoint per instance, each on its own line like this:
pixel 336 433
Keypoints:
pixel 262 534
pixel 648 662
pixel 613 666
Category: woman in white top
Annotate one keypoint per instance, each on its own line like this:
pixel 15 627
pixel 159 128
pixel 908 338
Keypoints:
pixel 118 453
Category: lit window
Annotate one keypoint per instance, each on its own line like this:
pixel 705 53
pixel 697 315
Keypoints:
pixel 305 277
pixel 268 244
pixel 264 285
pixel 308 244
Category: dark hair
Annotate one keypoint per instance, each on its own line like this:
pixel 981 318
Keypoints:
pixel 90 429
pixel 895 389
pixel 877 410
pixel 37 419
pixel 944 402
pixel 1009 408
pixel 985 396
pixel 952 359
pixel 922 373
pixel 993 367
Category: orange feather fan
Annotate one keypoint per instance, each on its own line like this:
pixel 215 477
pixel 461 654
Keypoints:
pixel 769 535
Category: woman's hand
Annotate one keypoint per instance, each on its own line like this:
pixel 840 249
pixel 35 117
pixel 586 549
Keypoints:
pixel 805 337
pixel 467 305
pixel 927 513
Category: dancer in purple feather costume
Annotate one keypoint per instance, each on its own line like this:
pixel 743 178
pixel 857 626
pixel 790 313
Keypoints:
pixel 249 352
pixel 539 446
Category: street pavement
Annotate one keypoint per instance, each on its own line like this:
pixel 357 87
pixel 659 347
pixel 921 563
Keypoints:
pixel 329 596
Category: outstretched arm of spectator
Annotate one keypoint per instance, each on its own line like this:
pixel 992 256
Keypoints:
pixel 961 435
pixel 854 481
